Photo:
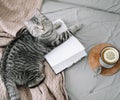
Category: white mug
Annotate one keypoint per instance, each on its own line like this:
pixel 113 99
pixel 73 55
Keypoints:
pixel 109 56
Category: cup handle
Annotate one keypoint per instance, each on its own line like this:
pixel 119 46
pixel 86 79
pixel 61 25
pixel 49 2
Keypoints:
pixel 98 70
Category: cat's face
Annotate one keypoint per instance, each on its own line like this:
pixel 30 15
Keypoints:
pixel 39 25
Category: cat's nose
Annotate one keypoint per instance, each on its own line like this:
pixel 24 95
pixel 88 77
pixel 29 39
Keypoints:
pixel 41 27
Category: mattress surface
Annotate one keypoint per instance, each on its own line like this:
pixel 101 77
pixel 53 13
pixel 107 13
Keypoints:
pixel 98 27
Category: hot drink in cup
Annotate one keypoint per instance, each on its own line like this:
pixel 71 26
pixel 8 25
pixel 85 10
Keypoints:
pixel 108 57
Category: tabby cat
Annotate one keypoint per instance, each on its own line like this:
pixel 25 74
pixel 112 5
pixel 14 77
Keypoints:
pixel 22 60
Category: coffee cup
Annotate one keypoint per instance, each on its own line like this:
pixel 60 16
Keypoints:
pixel 109 56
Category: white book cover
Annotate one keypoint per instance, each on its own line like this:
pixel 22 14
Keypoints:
pixel 66 54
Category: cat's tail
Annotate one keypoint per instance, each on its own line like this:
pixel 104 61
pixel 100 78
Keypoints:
pixel 0 66
pixel 0 70
pixel 12 90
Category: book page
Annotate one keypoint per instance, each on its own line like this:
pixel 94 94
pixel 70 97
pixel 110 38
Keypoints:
pixel 69 62
pixel 64 51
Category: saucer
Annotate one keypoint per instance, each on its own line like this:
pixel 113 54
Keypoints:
pixel 93 60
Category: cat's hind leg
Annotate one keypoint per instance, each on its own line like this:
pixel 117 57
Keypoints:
pixel 35 82
pixel 12 90
pixel 35 75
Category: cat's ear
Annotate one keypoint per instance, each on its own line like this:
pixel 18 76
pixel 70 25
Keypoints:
pixel 38 12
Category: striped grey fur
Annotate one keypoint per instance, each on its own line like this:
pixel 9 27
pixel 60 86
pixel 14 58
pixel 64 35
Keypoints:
pixel 22 60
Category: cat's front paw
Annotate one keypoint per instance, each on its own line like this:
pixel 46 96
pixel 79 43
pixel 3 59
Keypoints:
pixel 57 25
pixel 76 28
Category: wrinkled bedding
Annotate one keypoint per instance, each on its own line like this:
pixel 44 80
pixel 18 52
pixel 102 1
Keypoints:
pixel 98 27
pixel 112 6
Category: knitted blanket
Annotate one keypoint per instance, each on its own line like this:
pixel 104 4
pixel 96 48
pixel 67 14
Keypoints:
pixel 12 15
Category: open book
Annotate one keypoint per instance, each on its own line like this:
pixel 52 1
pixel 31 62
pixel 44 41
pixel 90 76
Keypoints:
pixel 65 54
